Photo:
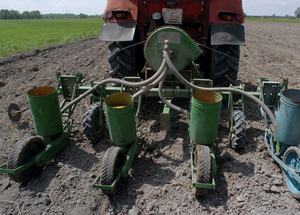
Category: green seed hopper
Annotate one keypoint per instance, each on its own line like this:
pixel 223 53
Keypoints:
pixel 170 53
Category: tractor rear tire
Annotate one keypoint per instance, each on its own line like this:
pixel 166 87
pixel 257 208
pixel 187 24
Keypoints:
pixel 122 61
pixel 237 140
pixel 202 160
pixel 92 127
pixel 111 166
pixel 224 69
pixel 25 151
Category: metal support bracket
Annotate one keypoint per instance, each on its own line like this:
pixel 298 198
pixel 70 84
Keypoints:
pixel 131 90
pixel 68 86
pixel 52 149
pixel 4 169
pixel 235 101
pixel 202 82
pixel 124 171
pixel 269 94
pixel 165 117
pixel 270 147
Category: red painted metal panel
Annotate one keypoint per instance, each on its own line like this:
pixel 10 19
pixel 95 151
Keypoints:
pixel 196 14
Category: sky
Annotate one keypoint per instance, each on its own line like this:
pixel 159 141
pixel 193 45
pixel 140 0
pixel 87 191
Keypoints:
pixel 92 7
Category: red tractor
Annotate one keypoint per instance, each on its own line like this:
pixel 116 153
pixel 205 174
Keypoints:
pixel 214 24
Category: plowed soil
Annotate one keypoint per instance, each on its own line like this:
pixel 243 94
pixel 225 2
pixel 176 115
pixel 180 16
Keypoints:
pixel 248 181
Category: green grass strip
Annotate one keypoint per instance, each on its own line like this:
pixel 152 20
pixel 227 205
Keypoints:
pixel 24 35
pixel 272 20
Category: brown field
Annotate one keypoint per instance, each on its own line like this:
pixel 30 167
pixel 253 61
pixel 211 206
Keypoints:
pixel 159 182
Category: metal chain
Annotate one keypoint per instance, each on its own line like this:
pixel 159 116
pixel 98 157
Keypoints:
pixel 133 45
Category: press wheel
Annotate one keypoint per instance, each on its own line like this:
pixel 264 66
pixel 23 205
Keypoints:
pixel 202 160
pixel 25 151
pixel 291 158
pixel 111 166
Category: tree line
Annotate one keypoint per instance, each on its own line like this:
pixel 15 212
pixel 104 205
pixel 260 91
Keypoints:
pixel 14 14
pixel 297 15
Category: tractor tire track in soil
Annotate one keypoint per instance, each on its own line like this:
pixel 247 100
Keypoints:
pixel 248 181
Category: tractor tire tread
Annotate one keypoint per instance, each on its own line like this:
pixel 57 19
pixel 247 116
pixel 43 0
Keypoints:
pixel 119 45
pixel 222 72
pixel 122 61
pixel 222 58
pixel 114 54
pixel 127 66
pixel 224 69
pixel 203 166
pixel 115 71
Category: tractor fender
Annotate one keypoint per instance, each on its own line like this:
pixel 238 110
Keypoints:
pixel 116 31
pixel 224 34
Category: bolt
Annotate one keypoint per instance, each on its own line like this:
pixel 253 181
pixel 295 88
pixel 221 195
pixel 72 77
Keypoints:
pixel 166 45
pixel 13 113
